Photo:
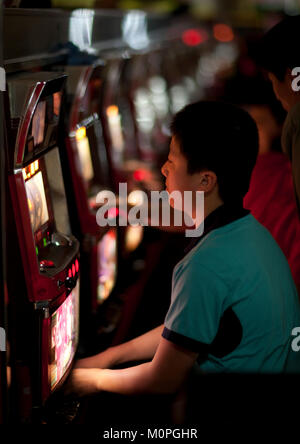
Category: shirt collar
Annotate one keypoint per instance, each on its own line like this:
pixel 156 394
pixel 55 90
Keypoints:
pixel 223 215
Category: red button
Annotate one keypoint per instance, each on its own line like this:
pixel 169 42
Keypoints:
pixel 47 264
pixel 77 265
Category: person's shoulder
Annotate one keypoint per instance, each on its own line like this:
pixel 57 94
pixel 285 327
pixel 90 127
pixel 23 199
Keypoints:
pixel 217 242
pixel 293 115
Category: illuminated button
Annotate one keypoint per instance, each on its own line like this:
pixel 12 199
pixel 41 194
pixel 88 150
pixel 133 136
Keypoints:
pixel 73 270
pixel 70 273
pixel 77 265
pixel 47 264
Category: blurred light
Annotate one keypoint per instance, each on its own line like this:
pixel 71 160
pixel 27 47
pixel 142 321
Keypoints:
pixel 112 111
pixel 159 96
pixel 134 236
pixel 134 29
pixel 193 37
pixel 80 133
pixel 145 113
pixel 223 32
pixel 179 98
pixel 115 128
pixel 157 84
pixel 112 213
pixel 81 28
pixel 136 197
pixel 141 174
pixel 77 265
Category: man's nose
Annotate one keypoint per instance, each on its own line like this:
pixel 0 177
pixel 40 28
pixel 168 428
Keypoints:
pixel 164 170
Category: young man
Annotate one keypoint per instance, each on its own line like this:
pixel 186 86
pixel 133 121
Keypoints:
pixel 278 53
pixel 234 303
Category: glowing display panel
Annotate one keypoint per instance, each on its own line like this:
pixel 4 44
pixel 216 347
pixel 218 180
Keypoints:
pixel 64 336
pixel 36 199
pixel 107 259
pixel 84 152
pixel 38 123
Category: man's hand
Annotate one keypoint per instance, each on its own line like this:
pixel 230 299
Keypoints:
pixel 83 382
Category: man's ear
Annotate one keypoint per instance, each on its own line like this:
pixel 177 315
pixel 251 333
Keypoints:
pixel 207 181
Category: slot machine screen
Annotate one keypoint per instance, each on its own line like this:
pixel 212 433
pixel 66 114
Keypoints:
pixel 38 123
pixel 107 259
pixel 64 336
pixel 84 152
pixel 36 199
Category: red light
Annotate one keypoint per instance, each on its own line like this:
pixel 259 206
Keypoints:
pixel 73 270
pixel 139 175
pixel 193 37
pixel 112 213
pixel 142 174
pixel 223 33
pixel 70 273
pixel 76 265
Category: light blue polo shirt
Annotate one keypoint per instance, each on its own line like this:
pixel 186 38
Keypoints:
pixel 235 303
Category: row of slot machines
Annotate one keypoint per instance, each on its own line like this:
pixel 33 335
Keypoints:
pixel 73 131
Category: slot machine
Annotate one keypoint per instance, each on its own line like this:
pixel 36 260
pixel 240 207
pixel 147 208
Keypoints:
pixel 90 173
pixel 43 254
pixel 119 131
pixel 150 103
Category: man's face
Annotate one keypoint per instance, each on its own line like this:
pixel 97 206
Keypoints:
pixel 283 90
pixel 175 172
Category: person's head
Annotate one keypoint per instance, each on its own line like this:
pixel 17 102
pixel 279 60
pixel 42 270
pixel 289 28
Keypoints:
pixel 213 149
pixel 278 53
pixel 269 129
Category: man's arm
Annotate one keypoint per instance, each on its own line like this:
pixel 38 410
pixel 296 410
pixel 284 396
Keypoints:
pixel 141 348
pixel 164 374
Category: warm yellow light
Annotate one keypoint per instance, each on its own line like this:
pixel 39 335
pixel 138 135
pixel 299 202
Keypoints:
pixel 29 204
pixel 36 165
pixel 81 133
pixel 32 168
pixel 24 174
pixel 112 111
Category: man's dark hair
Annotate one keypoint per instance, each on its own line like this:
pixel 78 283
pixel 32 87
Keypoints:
pixel 278 49
pixel 222 138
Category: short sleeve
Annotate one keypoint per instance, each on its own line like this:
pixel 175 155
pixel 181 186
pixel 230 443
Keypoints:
pixel 197 304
